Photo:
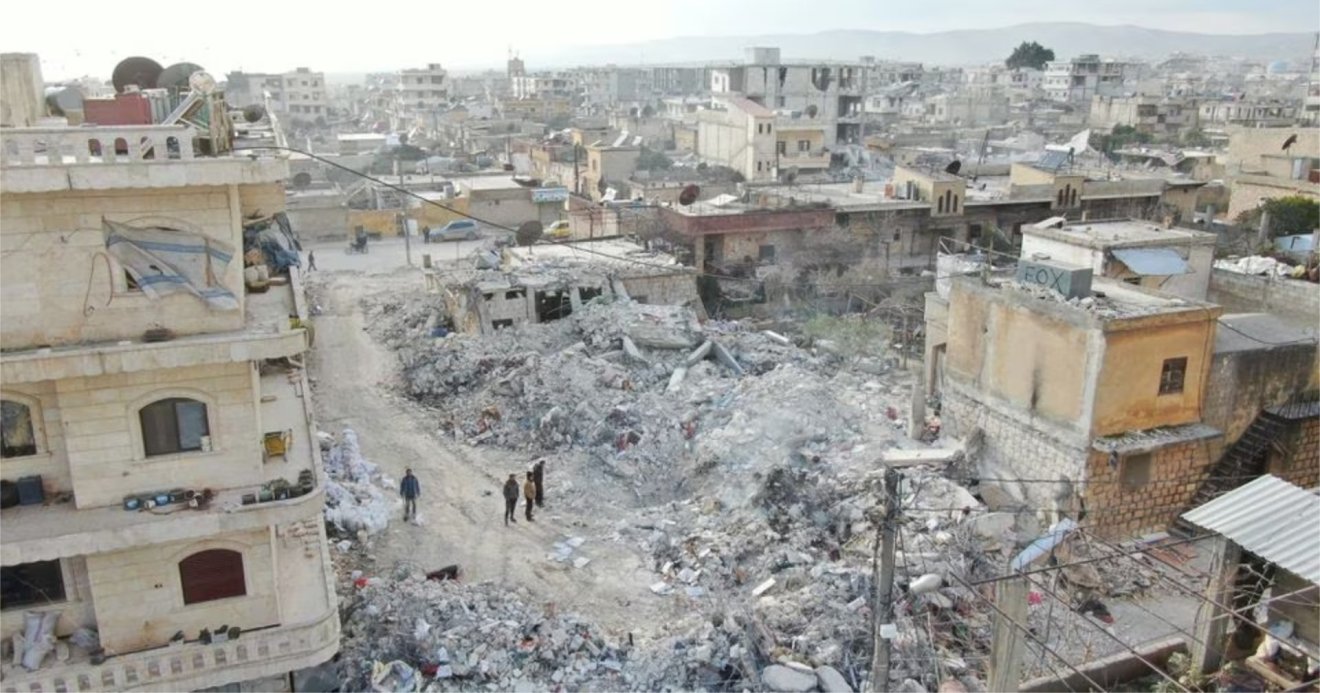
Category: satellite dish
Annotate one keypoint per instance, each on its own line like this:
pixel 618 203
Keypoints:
pixel 954 167
pixel 689 195
pixel 1288 143
pixel 302 179
pixel 136 70
pixel 176 76
pixel 202 82
pixel 529 233
pixel 812 111
pixel 254 113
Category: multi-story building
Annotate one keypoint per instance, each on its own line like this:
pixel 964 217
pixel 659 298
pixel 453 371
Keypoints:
pixel 544 85
pixel 156 418
pixel 968 109
pixel 1265 113
pixel 830 93
pixel 741 135
pixel 300 93
pixel 422 90
pixel 680 81
pixel 611 84
pixel 1085 76
pixel 1153 115
pixel 1260 167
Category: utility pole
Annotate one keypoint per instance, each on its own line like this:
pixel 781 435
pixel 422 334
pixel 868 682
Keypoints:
pixel 882 611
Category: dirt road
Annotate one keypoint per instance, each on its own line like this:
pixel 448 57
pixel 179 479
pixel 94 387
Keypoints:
pixel 461 507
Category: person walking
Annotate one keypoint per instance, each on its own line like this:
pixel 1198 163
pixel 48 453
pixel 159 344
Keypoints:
pixel 510 500
pixel 410 490
pixel 529 490
pixel 538 478
pixel 311 261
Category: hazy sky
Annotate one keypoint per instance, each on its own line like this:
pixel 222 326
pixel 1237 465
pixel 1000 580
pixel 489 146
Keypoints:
pixel 76 37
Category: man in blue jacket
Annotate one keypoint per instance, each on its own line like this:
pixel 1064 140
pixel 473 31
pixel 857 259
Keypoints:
pixel 410 490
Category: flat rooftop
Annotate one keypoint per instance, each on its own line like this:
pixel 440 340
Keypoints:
pixel 1110 300
pixel 1120 233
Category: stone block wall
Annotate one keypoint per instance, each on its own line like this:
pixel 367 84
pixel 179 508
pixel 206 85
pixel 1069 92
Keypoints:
pixel 1298 462
pixel 103 435
pixel 1049 469
pixel 1244 293
pixel 139 598
pixel 1119 510
pixel 61 289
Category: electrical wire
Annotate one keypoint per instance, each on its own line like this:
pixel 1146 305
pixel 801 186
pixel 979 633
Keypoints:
pixel 502 227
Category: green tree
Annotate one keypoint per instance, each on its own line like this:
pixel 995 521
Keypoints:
pixel 1289 216
pixel 1195 138
pixel 1029 54
pixel 651 160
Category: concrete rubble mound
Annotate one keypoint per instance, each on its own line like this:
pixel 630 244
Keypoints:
pixel 357 498
pixel 410 633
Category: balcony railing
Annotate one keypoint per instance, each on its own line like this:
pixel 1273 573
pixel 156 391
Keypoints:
pixel 190 665
pixel 96 145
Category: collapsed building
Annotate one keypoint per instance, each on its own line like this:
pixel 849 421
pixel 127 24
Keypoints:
pixel 551 282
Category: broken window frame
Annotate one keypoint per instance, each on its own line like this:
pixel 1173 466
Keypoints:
pixel 1173 376
pixel 32 584
pixel 1134 465
pixel 18 429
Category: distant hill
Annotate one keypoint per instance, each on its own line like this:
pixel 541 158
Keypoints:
pixel 961 47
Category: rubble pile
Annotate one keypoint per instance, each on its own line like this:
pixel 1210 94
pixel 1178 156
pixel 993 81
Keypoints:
pixel 357 501
pixel 410 633
pixel 636 387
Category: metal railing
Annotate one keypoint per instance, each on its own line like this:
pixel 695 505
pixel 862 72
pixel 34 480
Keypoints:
pixel 96 145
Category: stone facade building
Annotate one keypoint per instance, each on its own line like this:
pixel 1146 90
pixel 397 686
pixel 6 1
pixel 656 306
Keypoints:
pixel 162 442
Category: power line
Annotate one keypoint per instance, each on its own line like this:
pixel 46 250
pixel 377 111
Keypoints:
pixel 502 227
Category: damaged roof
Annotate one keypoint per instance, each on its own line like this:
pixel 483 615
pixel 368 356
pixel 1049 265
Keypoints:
pixel 1270 518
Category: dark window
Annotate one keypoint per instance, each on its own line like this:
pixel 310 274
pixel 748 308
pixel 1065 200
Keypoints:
pixel 27 584
pixel 501 324
pixel 513 295
pixel 804 145
pixel 974 232
pixel 767 254
pixel 212 574
pixel 1135 472
pixel 898 236
pixel 17 435
pixel 1172 375
pixel 781 147
pixel 173 425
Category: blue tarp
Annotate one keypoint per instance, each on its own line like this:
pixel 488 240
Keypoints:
pixel 1152 262
pixel 168 261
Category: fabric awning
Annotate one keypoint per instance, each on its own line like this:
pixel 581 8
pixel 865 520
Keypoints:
pixel 1153 262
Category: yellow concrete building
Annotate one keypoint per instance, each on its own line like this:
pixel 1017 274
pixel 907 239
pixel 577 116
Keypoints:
pixel 168 474
pixel 1120 405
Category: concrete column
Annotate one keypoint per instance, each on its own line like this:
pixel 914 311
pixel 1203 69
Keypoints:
pixel 1211 625
pixel 1009 643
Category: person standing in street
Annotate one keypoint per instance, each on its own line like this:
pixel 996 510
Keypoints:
pixel 510 500
pixel 410 490
pixel 311 261
pixel 538 478
pixel 529 490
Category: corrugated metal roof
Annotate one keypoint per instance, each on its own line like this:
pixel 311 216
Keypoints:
pixel 1154 262
pixel 1270 518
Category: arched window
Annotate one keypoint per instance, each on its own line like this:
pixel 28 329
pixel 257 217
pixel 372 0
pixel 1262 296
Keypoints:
pixel 173 425
pixel 939 205
pixel 18 437
pixel 212 574
pixel 1059 197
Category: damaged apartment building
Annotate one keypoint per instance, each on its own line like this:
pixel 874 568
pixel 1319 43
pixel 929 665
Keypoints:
pixel 552 282
pixel 162 483
pixel 1089 393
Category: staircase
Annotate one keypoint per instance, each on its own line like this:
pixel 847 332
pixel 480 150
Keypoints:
pixel 1244 461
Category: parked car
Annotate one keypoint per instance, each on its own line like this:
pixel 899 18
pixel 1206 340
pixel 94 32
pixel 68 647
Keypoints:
pixel 558 231
pixel 462 229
